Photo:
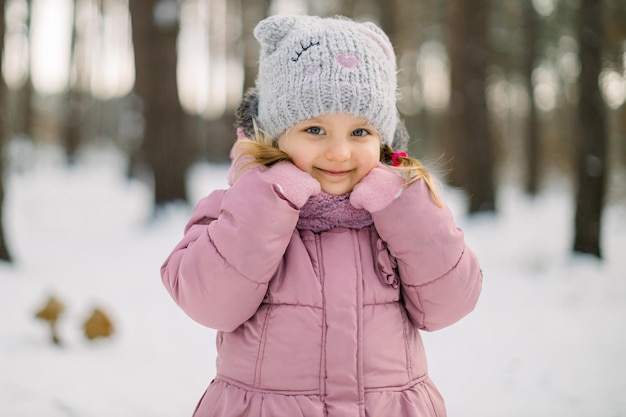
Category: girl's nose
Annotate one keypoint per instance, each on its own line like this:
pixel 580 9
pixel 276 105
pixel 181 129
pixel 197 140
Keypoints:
pixel 338 150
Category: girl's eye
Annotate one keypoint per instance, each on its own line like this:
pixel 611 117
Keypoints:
pixel 315 130
pixel 360 132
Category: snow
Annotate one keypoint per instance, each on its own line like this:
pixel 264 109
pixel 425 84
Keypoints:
pixel 547 338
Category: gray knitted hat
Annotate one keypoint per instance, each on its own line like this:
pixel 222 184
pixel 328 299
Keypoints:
pixel 311 66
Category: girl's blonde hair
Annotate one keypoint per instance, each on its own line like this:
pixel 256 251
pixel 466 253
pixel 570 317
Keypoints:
pixel 263 150
pixel 412 170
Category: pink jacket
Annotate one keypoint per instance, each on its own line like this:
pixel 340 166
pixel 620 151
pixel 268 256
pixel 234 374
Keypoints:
pixel 320 324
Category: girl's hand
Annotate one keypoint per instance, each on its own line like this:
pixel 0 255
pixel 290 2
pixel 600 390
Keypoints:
pixel 295 185
pixel 377 189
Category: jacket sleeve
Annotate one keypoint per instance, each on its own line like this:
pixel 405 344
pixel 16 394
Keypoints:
pixel 219 272
pixel 440 275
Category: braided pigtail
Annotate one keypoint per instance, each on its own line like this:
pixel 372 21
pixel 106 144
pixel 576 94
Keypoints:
pixel 411 168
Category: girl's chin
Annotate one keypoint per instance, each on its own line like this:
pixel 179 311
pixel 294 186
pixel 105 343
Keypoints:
pixel 336 190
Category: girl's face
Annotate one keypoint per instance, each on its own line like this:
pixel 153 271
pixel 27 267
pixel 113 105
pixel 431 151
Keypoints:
pixel 338 150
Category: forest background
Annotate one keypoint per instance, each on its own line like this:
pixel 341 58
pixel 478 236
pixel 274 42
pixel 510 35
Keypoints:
pixel 490 91
pixel 113 112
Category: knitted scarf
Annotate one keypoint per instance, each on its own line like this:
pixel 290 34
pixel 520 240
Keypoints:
pixel 323 212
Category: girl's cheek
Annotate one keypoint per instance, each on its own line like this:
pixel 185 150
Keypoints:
pixel 301 164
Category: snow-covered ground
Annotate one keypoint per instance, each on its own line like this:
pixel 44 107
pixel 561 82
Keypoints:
pixel 547 339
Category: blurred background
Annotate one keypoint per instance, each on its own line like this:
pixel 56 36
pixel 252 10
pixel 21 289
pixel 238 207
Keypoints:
pixel 491 92
pixel 116 116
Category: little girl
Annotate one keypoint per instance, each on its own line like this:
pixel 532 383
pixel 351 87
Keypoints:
pixel 330 251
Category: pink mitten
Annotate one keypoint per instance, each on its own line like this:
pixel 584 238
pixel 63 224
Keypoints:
pixel 377 189
pixel 292 183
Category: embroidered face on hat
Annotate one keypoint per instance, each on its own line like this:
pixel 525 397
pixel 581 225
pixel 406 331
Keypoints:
pixel 311 66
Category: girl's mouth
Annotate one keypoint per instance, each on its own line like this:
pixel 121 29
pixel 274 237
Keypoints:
pixel 334 173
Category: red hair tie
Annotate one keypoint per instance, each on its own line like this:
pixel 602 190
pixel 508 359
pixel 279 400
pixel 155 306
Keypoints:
pixel 394 158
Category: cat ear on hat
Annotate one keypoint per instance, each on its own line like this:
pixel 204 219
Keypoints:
pixel 270 31
pixel 380 37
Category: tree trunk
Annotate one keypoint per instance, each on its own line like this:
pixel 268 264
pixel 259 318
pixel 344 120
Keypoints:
pixel 155 32
pixel 346 8
pixel 252 12
pixel 403 29
pixel 593 134
pixel 25 114
pixel 73 111
pixel 533 156
pixel 4 250
pixel 468 143
pixel 388 12
pixel 220 132
pixel 220 127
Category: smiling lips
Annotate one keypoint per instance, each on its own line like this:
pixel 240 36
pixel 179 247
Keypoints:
pixel 334 173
